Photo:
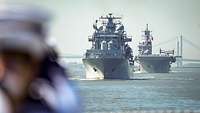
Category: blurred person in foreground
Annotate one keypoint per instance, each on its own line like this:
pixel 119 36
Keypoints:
pixel 31 79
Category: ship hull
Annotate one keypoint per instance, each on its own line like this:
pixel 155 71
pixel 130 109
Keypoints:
pixel 155 64
pixel 107 68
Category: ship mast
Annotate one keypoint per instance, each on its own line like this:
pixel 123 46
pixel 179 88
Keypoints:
pixel 111 30
pixel 145 47
pixel 110 24
pixel 110 38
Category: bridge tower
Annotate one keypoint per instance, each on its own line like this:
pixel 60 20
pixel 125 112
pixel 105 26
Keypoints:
pixel 180 51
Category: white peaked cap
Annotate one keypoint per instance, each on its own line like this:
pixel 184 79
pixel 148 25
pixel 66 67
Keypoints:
pixel 17 30
pixel 29 13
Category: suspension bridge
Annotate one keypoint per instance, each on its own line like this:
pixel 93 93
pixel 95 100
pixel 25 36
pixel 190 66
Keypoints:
pixel 180 41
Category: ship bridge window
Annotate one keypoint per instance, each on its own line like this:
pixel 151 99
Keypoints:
pixel 110 45
pixel 104 45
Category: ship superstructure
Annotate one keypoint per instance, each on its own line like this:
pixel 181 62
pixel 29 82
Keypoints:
pixel 153 63
pixel 110 56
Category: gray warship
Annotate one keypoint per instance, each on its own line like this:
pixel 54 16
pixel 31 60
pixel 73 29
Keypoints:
pixel 110 56
pixel 153 63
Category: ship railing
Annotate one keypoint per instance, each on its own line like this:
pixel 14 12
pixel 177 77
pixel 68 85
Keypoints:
pixel 154 55
pixel 106 35
pixel 103 33
pixel 103 54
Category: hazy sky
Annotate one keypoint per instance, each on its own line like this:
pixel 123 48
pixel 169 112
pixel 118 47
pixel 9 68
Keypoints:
pixel 168 19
